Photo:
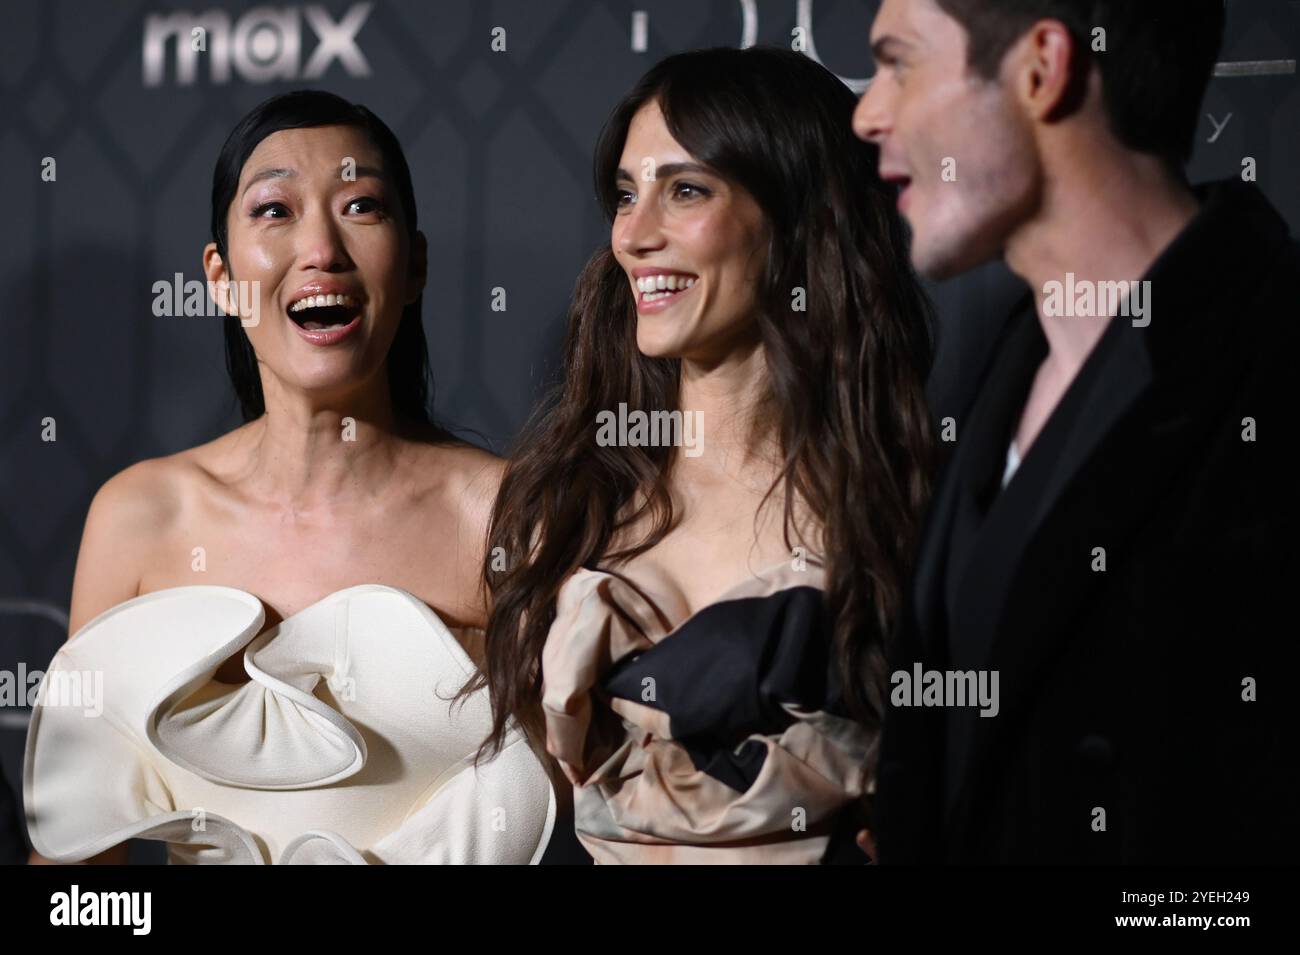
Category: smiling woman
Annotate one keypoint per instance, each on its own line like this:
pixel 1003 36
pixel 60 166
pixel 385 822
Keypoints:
pixel 698 632
pixel 352 173
pixel 279 641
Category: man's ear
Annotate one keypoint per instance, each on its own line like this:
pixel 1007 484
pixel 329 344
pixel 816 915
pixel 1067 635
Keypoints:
pixel 418 272
pixel 218 279
pixel 1049 71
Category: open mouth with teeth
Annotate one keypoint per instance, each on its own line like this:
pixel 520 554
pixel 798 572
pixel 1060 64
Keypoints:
pixel 656 288
pixel 317 312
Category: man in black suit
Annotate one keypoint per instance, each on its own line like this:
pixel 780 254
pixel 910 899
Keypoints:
pixel 1097 664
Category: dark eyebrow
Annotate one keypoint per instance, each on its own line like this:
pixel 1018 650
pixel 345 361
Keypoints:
pixel 888 48
pixel 673 168
pixel 666 170
pixel 268 174
pixel 280 173
pixel 371 171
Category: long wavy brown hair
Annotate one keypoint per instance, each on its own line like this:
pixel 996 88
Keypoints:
pixel 846 376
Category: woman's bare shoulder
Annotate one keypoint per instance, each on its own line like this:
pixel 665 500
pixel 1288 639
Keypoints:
pixel 142 496
pixel 462 476
pixel 476 470
pixel 155 490
pixel 128 525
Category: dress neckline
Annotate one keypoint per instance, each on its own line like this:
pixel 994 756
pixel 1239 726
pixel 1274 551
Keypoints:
pixel 247 595
pixel 758 584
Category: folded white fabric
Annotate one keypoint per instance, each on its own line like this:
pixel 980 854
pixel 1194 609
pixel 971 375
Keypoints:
pixel 344 746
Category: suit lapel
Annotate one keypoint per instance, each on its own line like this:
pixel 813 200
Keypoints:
pixel 1152 409
pixel 1015 348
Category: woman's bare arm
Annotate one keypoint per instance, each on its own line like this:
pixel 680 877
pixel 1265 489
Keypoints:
pixel 122 527
pixel 123 523
pixel 478 491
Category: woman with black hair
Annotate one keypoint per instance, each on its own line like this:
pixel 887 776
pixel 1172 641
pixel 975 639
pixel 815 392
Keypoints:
pixel 339 515
pixel 707 529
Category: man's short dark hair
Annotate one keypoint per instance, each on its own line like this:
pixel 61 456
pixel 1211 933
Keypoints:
pixel 1159 57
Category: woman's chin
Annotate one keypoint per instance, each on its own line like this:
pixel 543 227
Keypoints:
pixel 325 382
pixel 658 346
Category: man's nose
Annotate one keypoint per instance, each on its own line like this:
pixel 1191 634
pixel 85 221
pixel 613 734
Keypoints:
pixel 870 118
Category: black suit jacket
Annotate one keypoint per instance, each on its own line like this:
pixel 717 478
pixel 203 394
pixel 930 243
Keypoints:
pixel 1122 734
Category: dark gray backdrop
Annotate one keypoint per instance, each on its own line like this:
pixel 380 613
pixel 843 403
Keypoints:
pixel 500 147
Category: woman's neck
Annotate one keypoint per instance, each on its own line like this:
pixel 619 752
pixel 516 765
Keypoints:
pixel 734 419
pixel 312 454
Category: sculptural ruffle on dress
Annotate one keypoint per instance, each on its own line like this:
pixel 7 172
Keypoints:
pixel 343 747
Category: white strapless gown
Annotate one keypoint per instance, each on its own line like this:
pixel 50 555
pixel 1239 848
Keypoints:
pixel 344 747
